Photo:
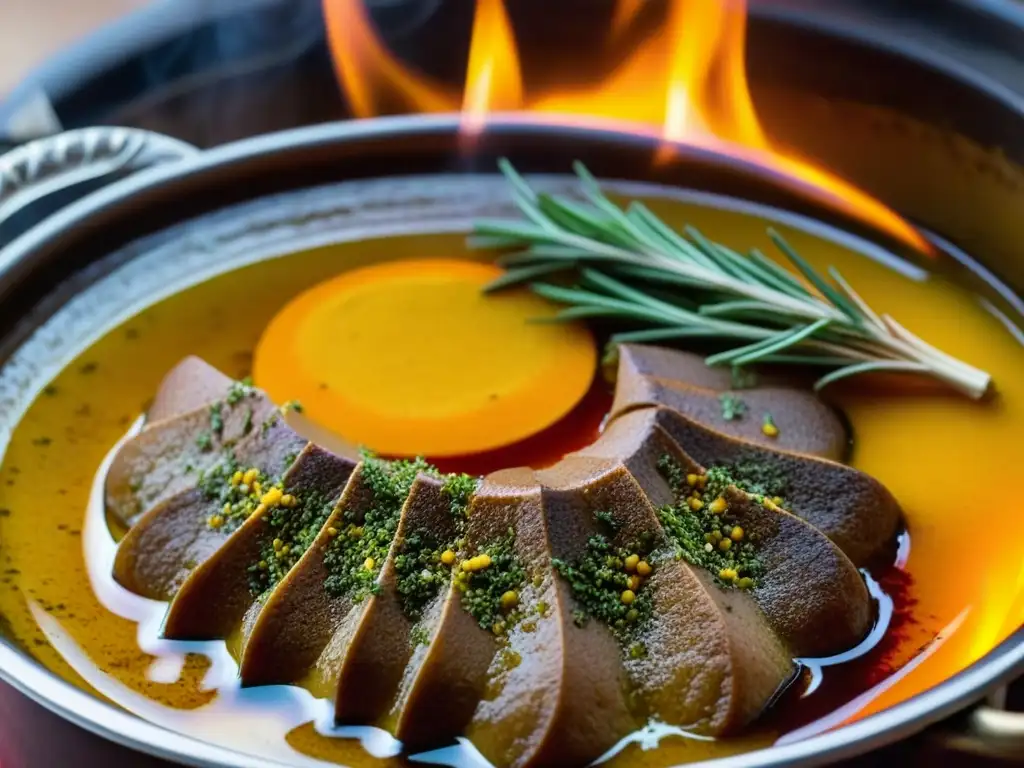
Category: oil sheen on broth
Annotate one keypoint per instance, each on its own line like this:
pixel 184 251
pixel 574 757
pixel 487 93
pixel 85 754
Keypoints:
pixel 944 457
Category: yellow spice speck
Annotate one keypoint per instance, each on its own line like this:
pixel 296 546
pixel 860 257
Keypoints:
pixel 250 476
pixel 643 568
pixel 628 596
pixel 737 534
pixel 510 600
pixel 634 582
pixel 272 497
pixel 332 531
pixel 368 563
pixel 691 480
pixel 236 479
pixel 631 562
pixel 696 504
pixel 725 545
pixel 447 557
pixel 727 574
pixel 718 506
pixel 770 429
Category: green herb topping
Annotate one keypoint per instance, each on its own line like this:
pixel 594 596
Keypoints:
pixel 423 565
pixel 239 391
pixel 702 529
pixel 356 554
pixel 490 582
pixel 759 478
pixel 240 494
pixel 608 584
pixel 732 406
pixel 294 522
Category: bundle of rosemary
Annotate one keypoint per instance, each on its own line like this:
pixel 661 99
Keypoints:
pixel 627 264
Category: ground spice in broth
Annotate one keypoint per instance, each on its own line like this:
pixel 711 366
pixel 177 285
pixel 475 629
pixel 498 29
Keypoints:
pixel 945 458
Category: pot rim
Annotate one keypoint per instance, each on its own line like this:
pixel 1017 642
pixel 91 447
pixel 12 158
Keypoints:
pixel 106 720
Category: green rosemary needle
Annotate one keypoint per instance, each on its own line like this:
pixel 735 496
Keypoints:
pixel 628 265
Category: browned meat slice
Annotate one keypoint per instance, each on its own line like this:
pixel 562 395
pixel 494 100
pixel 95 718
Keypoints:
pixel 215 597
pixel 176 536
pixel 556 692
pixel 190 385
pixel 812 594
pixel 805 424
pixel 170 456
pixel 689 368
pixel 284 640
pixel 711 661
pixel 445 682
pixel 853 509
pixel 375 658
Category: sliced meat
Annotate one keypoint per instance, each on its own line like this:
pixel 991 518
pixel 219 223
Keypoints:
pixel 216 596
pixel 175 537
pixel 812 593
pixel 445 683
pixel 711 661
pixel 284 640
pixel 170 456
pixel 805 424
pixel 689 368
pixel 190 385
pixel 853 509
pixel 375 657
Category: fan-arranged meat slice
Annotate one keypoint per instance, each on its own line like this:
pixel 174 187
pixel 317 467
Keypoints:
pixel 444 684
pixel 317 616
pixel 216 596
pixel 171 455
pixel 181 532
pixel 812 593
pixel 190 385
pixel 799 421
pixel 707 660
pixel 690 369
pixel 417 570
pixel 655 575
pixel 853 509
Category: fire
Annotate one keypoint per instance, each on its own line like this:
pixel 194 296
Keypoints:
pixel 688 79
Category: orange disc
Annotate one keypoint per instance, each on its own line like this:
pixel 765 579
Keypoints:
pixel 411 358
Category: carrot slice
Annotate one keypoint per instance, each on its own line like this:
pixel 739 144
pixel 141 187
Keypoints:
pixel 410 358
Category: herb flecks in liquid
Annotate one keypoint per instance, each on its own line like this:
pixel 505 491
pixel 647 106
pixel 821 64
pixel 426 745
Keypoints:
pixel 702 529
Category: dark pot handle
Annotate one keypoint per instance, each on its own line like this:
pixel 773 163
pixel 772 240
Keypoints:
pixel 43 167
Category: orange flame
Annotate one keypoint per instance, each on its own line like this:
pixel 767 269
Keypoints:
pixel 493 81
pixel 688 77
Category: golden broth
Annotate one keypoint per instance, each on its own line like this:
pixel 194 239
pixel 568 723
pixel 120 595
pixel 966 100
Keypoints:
pixel 945 458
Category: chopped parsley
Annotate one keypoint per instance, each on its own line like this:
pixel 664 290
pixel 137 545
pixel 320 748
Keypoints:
pixel 490 582
pixel 239 391
pixel 356 554
pixel 759 478
pixel 732 406
pixel 293 523
pixel 701 528
pixel 423 564
pixel 607 585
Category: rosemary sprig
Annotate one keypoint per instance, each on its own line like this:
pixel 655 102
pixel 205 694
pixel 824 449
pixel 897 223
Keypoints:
pixel 631 266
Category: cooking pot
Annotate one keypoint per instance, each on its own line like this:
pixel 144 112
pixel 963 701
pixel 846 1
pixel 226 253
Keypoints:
pixel 359 178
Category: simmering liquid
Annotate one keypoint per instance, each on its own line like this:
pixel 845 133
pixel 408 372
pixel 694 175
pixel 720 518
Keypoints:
pixel 956 590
